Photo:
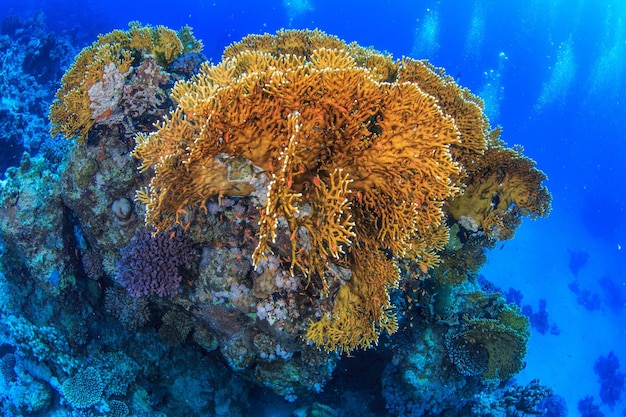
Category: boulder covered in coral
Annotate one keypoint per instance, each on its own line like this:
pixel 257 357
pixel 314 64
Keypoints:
pixel 350 156
pixel 316 181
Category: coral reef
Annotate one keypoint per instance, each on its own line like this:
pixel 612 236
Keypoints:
pixel 517 401
pixel 118 408
pixel 301 199
pixel 613 293
pixel 30 203
pixel 350 161
pixel 464 342
pixel 585 297
pixel 175 328
pixel 100 179
pixel 554 406
pixel 32 59
pixel 337 146
pixel 539 319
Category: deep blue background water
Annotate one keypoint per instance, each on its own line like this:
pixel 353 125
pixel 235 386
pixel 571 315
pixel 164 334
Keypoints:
pixel 552 73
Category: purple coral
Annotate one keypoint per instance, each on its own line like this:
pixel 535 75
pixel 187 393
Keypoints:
pixel 151 264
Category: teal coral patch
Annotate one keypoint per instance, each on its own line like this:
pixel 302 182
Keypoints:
pixel 84 389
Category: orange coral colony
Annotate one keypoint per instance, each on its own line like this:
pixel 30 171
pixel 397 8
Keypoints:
pixel 79 104
pixel 359 152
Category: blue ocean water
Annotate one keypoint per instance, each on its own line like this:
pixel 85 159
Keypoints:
pixel 551 73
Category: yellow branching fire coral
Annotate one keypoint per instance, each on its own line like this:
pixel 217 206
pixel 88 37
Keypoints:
pixel 360 154
pixel 502 187
pixel 466 109
pixel 90 89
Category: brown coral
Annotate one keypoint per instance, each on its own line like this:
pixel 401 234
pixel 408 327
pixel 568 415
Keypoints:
pixel 175 328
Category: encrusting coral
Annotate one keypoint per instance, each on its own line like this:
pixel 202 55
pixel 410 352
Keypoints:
pixel 358 164
pixel 351 155
pixel 91 89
